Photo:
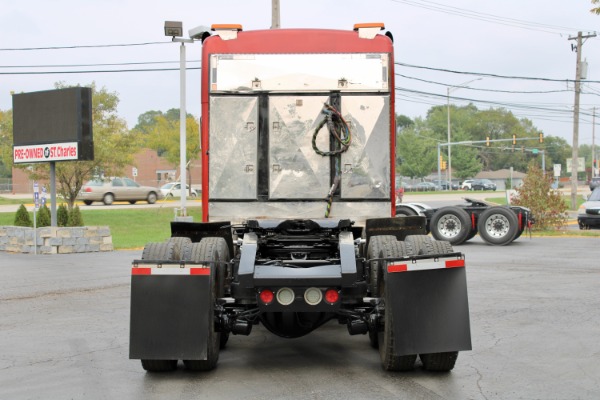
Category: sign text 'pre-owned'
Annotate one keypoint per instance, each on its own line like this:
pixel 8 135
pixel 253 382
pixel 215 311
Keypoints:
pixel 45 152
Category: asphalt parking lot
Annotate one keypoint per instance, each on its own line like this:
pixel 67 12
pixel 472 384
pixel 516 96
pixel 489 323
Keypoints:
pixel 535 324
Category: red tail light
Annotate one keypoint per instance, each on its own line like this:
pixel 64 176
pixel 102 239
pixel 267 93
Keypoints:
pixel 87 190
pixel 266 296
pixel 332 296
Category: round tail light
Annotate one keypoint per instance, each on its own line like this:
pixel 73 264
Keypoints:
pixel 332 296
pixel 266 296
pixel 313 296
pixel 285 296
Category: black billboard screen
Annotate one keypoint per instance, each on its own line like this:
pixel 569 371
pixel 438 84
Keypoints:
pixel 54 117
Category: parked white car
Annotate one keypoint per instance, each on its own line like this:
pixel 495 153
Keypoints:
pixel 466 185
pixel 173 189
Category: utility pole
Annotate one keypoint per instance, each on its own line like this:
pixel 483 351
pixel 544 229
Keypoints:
pixel 593 142
pixel 575 154
pixel 275 20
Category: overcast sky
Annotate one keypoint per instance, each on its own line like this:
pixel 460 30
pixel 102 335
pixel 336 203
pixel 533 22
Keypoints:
pixel 473 38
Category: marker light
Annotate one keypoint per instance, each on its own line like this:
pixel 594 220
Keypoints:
pixel 285 296
pixel 266 296
pixel 313 296
pixel 332 296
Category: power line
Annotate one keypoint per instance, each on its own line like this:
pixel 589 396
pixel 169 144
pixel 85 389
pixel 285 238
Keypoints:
pixel 465 13
pixel 94 65
pixel 485 90
pixel 81 46
pixel 488 74
pixel 95 71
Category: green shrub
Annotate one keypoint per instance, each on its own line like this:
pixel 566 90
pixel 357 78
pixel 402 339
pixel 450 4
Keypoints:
pixel 546 204
pixel 22 217
pixel 62 215
pixel 75 218
pixel 43 217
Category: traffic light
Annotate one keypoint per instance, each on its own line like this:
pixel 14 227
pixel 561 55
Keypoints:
pixel 443 165
pixel 487 141
pixel 541 137
pixel 514 139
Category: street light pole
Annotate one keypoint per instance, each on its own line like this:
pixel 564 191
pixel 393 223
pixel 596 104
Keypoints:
pixel 182 125
pixel 175 30
pixel 449 89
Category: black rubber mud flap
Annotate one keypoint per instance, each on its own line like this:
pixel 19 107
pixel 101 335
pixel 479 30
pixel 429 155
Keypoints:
pixel 169 314
pixel 431 310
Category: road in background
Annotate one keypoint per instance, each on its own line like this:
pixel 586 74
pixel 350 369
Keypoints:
pixel 534 320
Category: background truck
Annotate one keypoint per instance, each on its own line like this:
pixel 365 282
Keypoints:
pixel 298 197
pixel 497 225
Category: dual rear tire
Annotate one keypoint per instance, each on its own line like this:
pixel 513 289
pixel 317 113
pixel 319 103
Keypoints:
pixel 384 335
pixel 211 250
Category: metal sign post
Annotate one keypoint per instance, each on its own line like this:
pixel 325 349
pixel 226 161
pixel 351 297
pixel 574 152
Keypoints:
pixel 36 201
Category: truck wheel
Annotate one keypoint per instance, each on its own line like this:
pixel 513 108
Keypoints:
pixel 471 235
pixel 159 365
pixel 498 225
pixel 403 211
pixel 451 224
pixel 418 243
pixel 182 248
pixel 208 250
pixel 390 361
pixel 158 251
pixel 442 362
pixel 377 244
pixel 389 246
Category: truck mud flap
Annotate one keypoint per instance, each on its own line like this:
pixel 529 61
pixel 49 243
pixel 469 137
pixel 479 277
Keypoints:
pixel 430 306
pixel 169 313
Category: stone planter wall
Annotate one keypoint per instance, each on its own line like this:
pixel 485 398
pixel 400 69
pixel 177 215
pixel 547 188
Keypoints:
pixel 56 240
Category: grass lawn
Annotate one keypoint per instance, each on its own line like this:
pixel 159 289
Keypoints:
pixel 130 229
pixel 6 201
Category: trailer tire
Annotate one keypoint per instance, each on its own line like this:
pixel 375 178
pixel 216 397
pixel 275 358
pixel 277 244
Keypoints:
pixel 471 235
pixel 498 226
pixel 210 249
pixel 390 361
pixel 159 365
pixel 404 211
pixel 451 224
pixel 440 362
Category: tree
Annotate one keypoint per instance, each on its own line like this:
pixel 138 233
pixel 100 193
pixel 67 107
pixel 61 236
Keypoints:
pixel 43 217
pixel 62 215
pixel 595 10
pixel 22 217
pixel 164 134
pixel 75 218
pixel 6 141
pixel 114 147
pixel 418 154
pixel 402 121
pixel 546 204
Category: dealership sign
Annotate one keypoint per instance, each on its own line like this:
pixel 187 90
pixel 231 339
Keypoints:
pixel 45 152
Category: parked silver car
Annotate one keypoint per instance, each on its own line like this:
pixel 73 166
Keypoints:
pixel 117 189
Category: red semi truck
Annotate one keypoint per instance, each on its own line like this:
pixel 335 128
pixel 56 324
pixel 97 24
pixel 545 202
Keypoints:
pixel 298 198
